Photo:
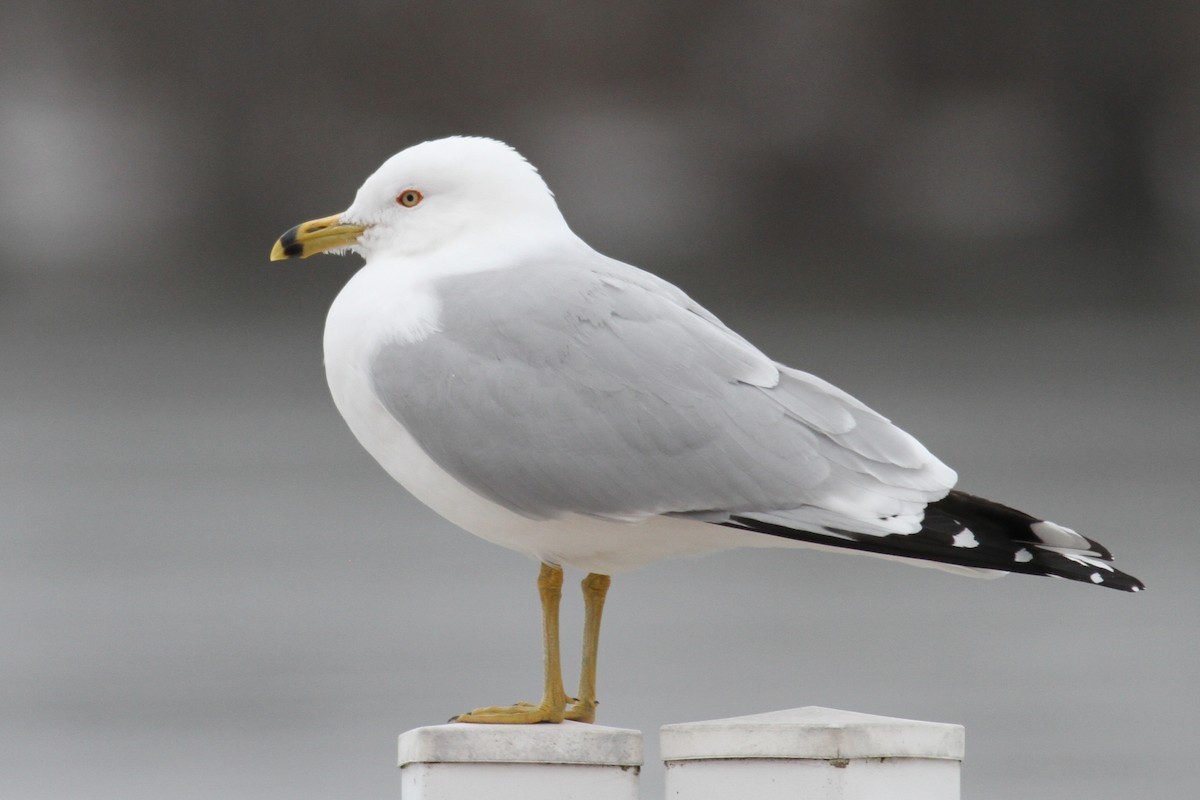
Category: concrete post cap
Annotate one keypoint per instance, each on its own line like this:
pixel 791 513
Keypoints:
pixel 811 732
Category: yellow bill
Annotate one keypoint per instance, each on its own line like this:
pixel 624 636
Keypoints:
pixel 318 236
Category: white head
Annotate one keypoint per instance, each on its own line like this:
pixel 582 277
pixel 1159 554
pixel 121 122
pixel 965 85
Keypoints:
pixel 432 195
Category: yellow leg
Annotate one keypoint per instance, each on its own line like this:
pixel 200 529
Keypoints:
pixel 595 587
pixel 554 700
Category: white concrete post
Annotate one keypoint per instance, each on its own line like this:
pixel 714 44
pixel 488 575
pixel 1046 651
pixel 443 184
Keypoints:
pixel 571 761
pixel 812 753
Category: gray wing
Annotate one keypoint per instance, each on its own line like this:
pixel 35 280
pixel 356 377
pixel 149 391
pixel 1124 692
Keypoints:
pixel 603 390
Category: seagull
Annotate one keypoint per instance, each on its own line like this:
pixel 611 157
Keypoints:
pixel 589 414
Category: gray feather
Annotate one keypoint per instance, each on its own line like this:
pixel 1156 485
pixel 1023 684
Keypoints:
pixel 599 389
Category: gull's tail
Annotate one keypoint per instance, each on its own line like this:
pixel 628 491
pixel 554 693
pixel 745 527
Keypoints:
pixel 965 531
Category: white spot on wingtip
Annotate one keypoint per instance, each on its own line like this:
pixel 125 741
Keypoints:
pixel 965 538
pixel 1022 556
pixel 1089 561
pixel 1058 535
pixel 1097 577
pixel 1135 589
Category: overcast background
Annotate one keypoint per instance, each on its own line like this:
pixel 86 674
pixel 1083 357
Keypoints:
pixel 981 218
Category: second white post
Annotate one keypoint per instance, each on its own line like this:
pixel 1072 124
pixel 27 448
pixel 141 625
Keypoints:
pixel 813 753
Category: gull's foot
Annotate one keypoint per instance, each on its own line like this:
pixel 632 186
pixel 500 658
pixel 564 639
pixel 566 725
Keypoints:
pixel 581 711
pixel 516 714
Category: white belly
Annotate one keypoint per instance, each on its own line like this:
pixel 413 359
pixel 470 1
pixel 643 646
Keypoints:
pixel 584 542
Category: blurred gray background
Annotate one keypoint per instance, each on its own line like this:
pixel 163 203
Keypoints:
pixel 981 218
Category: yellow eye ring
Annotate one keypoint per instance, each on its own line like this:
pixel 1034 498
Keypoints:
pixel 409 198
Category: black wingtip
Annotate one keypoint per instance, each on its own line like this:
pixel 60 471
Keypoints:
pixel 967 531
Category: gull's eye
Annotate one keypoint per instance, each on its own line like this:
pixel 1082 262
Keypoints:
pixel 409 198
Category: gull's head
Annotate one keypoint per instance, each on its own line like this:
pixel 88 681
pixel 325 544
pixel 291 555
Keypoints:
pixel 433 195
